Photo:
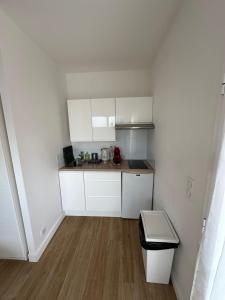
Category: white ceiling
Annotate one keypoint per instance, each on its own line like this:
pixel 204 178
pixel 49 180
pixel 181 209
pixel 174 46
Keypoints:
pixel 95 35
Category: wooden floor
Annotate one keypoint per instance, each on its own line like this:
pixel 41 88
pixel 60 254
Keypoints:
pixel 88 258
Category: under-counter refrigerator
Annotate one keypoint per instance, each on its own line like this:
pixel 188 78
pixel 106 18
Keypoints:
pixel 136 194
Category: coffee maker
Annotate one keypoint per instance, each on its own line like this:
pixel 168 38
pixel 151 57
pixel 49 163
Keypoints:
pixel 116 155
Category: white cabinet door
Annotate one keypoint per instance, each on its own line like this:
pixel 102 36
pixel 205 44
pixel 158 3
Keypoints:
pixel 134 110
pixel 103 191
pixel 72 190
pixel 136 194
pixel 103 119
pixel 79 112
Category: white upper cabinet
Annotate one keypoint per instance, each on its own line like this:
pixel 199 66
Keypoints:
pixel 79 112
pixel 131 110
pixel 103 119
pixel 92 120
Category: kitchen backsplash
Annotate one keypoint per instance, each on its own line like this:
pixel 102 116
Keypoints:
pixel 133 144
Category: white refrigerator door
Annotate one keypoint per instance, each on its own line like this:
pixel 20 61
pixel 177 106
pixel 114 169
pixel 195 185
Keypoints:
pixel 136 194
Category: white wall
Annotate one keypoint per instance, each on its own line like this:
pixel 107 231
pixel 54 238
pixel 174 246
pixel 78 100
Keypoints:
pixel 186 86
pixel 108 84
pixel 12 237
pixel 33 97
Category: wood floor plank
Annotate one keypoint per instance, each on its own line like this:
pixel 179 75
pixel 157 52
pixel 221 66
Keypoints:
pixel 13 271
pixel 57 274
pixel 89 258
pixel 74 283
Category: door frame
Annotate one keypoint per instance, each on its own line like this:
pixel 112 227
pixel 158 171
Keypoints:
pixel 7 162
pixel 14 151
pixel 217 140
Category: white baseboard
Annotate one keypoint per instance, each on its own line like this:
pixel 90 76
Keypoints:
pixel 14 257
pixel 93 213
pixel 35 256
pixel 177 289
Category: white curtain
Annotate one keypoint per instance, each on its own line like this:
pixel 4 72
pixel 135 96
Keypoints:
pixel 209 279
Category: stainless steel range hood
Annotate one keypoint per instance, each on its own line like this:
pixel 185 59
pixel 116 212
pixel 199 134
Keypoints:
pixel 135 126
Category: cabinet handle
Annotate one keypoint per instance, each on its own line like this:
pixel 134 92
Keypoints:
pixel 138 174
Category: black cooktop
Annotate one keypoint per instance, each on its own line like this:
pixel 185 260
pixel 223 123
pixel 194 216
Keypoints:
pixel 137 164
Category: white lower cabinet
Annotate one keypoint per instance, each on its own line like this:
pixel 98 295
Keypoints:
pixel 91 193
pixel 103 192
pixel 104 204
pixel 72 191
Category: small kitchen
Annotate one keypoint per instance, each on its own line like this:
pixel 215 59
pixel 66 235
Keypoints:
pixel 117 179
pixel 111 119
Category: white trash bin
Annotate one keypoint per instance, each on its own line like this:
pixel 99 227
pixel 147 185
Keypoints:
pixel 158 240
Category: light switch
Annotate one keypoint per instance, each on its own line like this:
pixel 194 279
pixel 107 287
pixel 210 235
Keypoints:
pixel 189 186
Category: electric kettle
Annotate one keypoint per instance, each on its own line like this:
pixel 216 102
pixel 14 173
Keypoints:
pixel 105 154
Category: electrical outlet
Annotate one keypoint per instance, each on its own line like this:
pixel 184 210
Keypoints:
pixel 43 231
pixel 189 187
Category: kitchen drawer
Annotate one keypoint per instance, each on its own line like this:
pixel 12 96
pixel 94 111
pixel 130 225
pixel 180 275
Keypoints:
pixel 112 204
pixel 102 176
pixel 103 188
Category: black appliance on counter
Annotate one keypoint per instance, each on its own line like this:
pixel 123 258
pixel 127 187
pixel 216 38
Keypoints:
pixel 68 156
pixel 94 156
